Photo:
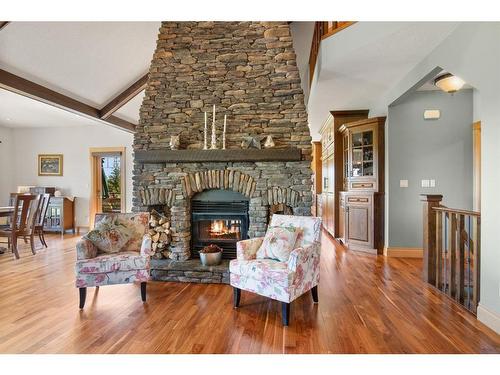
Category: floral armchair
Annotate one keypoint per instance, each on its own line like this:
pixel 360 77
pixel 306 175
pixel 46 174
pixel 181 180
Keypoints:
pixel 131 263
pixel 282 281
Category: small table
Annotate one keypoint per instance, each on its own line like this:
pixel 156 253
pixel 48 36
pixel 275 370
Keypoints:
pixel 5 212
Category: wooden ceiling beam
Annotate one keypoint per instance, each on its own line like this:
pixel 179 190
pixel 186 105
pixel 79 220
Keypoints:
pixel 19 85
pixel 124 97
pixel 3 24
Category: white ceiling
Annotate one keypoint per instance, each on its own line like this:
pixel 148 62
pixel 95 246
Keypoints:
pixel 363 62
pixel 130 111
pixel 89 61
pixel 17 111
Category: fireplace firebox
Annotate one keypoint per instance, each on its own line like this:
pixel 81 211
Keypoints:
pixel 219 217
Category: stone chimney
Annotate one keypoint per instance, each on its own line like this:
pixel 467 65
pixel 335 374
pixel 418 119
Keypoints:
pixel 249 71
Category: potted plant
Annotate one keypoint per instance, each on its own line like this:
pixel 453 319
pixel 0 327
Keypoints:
pixel 211 255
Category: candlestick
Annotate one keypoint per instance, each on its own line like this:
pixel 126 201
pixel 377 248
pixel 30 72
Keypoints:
pixel 205 147
pixel 213 144
pixel 224 134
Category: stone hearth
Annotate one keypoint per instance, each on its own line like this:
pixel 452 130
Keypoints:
pixel 248 70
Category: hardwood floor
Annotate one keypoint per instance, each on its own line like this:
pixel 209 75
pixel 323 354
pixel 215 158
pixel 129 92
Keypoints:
pixel 367 304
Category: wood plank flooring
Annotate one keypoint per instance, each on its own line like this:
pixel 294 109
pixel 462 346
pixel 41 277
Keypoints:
pixel 367 304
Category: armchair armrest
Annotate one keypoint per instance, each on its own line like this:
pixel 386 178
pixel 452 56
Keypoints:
pixel 146 246
pixel 304 256
pixel 85 249
pixel 247 249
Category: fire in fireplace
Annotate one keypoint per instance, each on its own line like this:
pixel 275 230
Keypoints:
pixel 219 217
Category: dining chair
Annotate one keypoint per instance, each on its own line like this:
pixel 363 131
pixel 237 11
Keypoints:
pixel 40 218
pixel 23 222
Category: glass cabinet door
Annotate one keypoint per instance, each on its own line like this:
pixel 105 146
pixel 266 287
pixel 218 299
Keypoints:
pixel 345 144
pixel 362 154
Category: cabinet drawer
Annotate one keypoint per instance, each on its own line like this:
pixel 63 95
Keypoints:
pixel 362 185
pixel 363 200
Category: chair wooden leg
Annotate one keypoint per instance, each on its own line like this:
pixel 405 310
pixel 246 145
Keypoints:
pixel 143 291
pixel 32 244
pixel 236 297
pixel 285 313
pixel 43 238
pixel 314 292
pixel 14 246
pixel 83 295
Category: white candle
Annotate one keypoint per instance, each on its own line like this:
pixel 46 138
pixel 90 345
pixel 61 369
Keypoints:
pixel 213 144
pixel 224 134
pixel 205 133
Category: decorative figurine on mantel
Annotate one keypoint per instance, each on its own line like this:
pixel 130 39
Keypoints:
pixel 175 141
pixel 252 142
pixel 269 143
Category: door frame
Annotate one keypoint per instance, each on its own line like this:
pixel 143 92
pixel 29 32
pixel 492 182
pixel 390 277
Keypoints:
pixel 94 154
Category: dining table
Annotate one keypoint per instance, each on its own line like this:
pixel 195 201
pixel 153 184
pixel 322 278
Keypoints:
pixel 5 211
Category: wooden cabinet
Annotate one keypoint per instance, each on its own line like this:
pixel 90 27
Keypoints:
pixel 331 166
pixel 363 181
pixel 60 215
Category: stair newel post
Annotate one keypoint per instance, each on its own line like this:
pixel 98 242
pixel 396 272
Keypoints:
pixel 429 239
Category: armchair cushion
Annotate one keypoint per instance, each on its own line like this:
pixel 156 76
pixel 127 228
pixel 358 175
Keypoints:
pixel 311 227
pixel 278 243
pixel 247 249
pixel 84 280
pixel 124 261
pixel 262 270
pixel 110 235
pixel 136 222
pixel 85 249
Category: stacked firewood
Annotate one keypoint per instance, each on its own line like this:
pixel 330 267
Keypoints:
pixel 159 230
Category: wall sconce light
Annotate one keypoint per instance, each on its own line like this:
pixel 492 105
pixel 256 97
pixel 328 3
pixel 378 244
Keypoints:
pixel 432 114
pixel 449 83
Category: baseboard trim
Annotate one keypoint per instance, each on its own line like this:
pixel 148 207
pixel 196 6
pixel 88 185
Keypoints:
pixel 403 252
pixel 488 318
pixel 82 228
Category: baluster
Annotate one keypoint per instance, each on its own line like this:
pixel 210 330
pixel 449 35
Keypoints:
pixel 439 250
pixel 452 252
pixel 476 264
pixel 459 293
pixel 469 220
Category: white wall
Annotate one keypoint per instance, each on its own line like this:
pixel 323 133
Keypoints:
pixel 6 174
pixel 427 149
pixel 302 33
pixel 74 144
pixel 472 52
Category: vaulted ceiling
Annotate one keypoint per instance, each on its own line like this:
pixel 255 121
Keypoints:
pixel 91 63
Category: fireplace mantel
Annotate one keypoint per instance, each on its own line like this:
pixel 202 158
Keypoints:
pixel 233 155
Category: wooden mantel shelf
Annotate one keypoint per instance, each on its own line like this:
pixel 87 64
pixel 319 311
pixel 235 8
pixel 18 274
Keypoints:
pixel 192 156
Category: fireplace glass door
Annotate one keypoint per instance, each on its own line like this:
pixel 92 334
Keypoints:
pixel 219 217
pixel 219 230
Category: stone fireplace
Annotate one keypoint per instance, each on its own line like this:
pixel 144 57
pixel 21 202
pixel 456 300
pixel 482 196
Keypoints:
pixel 248 70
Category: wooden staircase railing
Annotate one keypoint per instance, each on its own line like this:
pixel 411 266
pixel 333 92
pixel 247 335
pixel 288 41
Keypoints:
pixel 323 30
pixel 452 248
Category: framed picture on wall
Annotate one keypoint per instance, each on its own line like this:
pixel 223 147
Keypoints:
pixel 50 164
